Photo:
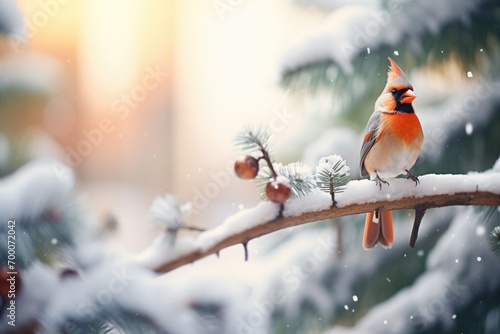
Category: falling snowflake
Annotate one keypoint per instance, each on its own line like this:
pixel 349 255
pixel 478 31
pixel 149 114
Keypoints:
pixel 469 128
pixel 396 53
pixel 469 74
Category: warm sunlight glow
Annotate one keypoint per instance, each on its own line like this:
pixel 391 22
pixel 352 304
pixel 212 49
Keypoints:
pixel 109 47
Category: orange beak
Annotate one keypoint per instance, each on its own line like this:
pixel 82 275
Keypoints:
pixel 408 97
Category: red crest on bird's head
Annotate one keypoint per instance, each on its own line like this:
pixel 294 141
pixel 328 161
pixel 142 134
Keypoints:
pixel 396 78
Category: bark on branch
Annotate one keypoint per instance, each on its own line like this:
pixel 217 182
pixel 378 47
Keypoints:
pixel 478 198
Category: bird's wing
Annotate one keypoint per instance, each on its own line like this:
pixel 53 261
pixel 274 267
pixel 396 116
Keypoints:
pixel 368 141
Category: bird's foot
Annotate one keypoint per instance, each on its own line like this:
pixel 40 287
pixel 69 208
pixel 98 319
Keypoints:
pixel 412 177
pixel 379 181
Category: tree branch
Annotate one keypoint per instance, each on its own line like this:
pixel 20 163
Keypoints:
pixel 419 215
pixel 413 199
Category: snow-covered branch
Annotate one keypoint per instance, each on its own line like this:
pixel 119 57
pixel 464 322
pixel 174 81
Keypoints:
pixel 360 196
pixel 353 29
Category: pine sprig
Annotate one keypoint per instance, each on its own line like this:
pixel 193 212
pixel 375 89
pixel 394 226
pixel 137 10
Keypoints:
pixel 300 176
pixel 45 238
pixel 253 139
pixel 115 318
pixel 332 175
pixel 277 182
pixel 301 180
pixel 495 241
pixel 171 215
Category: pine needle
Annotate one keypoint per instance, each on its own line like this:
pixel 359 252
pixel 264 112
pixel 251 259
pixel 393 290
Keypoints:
pixel 300 176
pixel 250 140
pixel 302 181
pixel 495 241
pixel 332 175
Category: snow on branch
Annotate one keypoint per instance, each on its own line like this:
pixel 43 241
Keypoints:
pixel 351 29
pixel 359 196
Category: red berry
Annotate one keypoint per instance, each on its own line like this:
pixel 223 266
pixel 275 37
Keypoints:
pixel 9 283
pixel 246 167
pixel 278 190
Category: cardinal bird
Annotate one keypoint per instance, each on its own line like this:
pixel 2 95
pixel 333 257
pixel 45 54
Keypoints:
pixel 391 145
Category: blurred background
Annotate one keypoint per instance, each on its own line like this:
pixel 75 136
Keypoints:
pixel 216 70
pixel 143 98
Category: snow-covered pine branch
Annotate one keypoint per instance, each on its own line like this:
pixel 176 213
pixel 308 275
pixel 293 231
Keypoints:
pixel 332 68
pixel 356 29
pixel 359 196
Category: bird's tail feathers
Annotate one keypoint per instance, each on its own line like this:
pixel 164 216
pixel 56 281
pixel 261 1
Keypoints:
pixel 378 228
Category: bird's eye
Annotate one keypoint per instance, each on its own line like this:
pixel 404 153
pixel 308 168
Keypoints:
pixel 394 91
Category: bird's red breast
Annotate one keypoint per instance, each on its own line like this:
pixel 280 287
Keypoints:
pixel 403 127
